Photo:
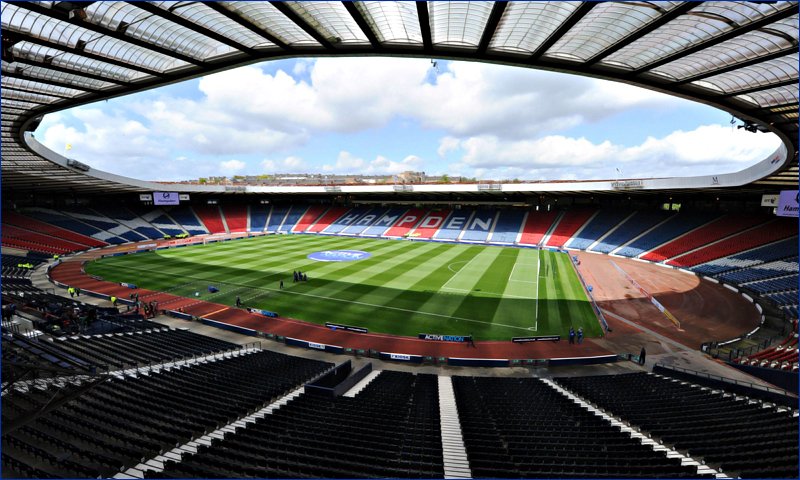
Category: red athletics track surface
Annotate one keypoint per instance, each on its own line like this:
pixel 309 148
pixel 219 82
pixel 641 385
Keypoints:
pixel 69 272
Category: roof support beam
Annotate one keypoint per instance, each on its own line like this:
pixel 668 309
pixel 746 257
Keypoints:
pixel 425 25
pixel 89 55
pixel 559 32
pixel 177 19
pixel 300 22
pixel 28 90
pixel 491 26
pixel 70 71
pixel 784 83
pixel 363 24
pixel 245 23
pixel 76 20
pixel 56 83
pixel 736 66
pixel 639 33
pixel 788 12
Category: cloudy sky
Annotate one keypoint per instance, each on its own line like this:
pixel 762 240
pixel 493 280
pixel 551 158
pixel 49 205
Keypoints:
pixel 385 116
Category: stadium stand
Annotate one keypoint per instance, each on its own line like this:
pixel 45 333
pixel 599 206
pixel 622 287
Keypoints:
pixel 15 236
pixel 709 233
pixel 598 226
pixel 739 436
pixel 773 251
pixel 769 232
pixel 258 217
pixel 456 223
pixel 782 356
pixel 293 216
pixel 536 226
pixel 479 226
pixel 276 217
pixel 507 437
pixel 186 218
pixel 346 220
pixel 431 224
pixel 13 218
pixel 211 216
pixel 62 220
pixel 327 219
pixel 125 217
pixel 762 271
pixel 634 226
pixel 358 227
pixel 308 219
pixel 160 220
pixel 119 422
pixel 674 227
pixel 383 223
pixel 571 221
pixel 101 221
pixel 507 227
pixel 405 223
pixel 235 217
pixel 388 430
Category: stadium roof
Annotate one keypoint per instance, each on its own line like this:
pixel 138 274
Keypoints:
pixel 741 57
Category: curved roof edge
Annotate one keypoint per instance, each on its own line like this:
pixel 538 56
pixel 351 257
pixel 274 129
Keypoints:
pixel 112 182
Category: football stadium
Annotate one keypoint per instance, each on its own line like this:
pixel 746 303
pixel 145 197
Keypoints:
pixel 551 299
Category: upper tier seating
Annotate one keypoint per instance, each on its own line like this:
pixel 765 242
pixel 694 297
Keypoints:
pixel 309 217
pixel 211 217
pixel 292 217
pixel 129 219
pixel 187 219
pixel 121 421
pixel 672 228
pixel 235 217
pixel 101 221
pixel 258 217
pixel 389 430
pixel 767 233
pixel 713 231
pixel 742 437
pixel 570 222
pixel 604 221
pixel 630 229
pixel 13 218
pixel 508 227
pixel 523 428
pixel 536 226
pixel 328 218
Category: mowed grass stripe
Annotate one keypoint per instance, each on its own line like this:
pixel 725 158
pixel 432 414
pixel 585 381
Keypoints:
pixel 398 290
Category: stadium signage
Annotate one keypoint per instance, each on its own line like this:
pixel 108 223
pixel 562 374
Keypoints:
pixel 349 328
pixel 339 255
pixel 789 203
pixel 627 185
pixel 541 338
pixel 145 197
pixel 445 338
pixel 769 200
pixel 400 356
pixel 317 346
pixel 166 198
pixel 266 313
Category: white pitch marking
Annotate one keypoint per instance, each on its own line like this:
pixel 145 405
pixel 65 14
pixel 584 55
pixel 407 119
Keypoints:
pixel 459 271
pixel 538 269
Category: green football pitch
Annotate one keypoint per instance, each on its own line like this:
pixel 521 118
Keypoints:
pixel 404 288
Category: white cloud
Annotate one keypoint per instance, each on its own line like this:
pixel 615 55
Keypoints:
pixel 346 163
pixel 704 150
pixel 232 166
pixel 289 164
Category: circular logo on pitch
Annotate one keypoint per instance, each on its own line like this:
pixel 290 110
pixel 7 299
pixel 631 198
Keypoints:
pixel 339 255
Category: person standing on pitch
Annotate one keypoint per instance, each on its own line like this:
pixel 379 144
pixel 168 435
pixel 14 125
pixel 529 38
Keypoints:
pixel 580 335
pixel 571 335
pixel 281 285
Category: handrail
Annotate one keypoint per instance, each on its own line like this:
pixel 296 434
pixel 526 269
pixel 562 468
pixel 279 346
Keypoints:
pixel 728 380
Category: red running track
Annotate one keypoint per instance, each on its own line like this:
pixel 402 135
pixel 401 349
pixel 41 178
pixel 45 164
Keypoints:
pixel 69 272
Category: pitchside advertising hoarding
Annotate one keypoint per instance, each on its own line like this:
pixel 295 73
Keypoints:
pixel 788 204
